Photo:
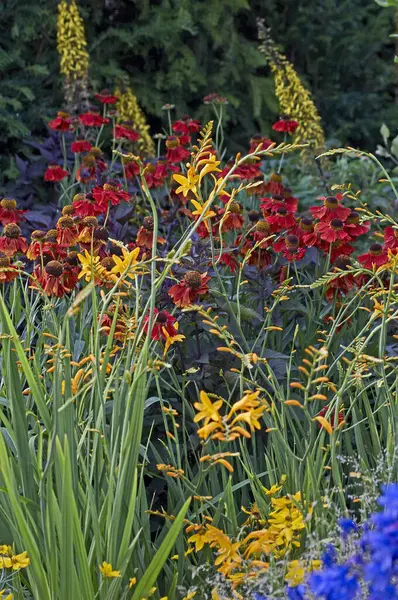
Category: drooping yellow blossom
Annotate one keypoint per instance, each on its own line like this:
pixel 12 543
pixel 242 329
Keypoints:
pixel 170 471
pixel 20 561
pixel 247 411
pixel 188 183
pixel 132 582
pixel 8 597
pixel 107 571
pixel 220 458
pixel 294 99
pixel 129 110
pixel 275 488
pixel 92 268
pixel 71 41
pixel 171 339
pixel 126 265
pixel 207 410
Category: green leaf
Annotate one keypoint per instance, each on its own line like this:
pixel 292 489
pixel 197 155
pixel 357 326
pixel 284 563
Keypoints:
pixel 152 572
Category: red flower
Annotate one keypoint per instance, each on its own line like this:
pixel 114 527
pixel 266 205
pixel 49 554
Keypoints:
pixel 271 205
pixel 336 249
pixel 9 212
pixel 175 151
pixel 216 98
pixel 274 185
pixel 55 173
pixel 331 209
pixel 67 231
pixel 285 125
pixel 353 225
pixel 110 192
pixel 127 133
pixel 290 248
pixel 131 167
pixel 229 260
pixel 51 279
pixel 8 271
pixel 248 171
pixel 375 257
pixel 162 320
pixel 11 241
pixel 187 291
pixel 61 122
pixel 80 146
pixel 145 234
pixel 186 126
pixel 282 219
pixel 233 219
pixel 106 97
pixel 391 238
pixel 332 231
pixel 340 285
pixel 305 231
pixel 340 418
pixel 85 205
pixel 259 140
pixel 93 119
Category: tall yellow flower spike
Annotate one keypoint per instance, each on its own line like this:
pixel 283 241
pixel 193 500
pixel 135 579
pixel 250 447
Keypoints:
pixel 72 50
pixel 129 110
pixel 294 99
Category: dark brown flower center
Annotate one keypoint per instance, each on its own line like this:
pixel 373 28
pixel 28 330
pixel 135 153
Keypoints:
pixel 172 142
pixel 88 161
pixel 101 234
pixel 353 218
pixel 65 222
pixel 68 210
pixel 111 187
pixel 96 152
pixel 376 249
pixel 262 226
pixel 254 216
pixel 37 234
pixel 281 211
pixel 292 242
pixel 8 204
pixel 78 197
pixel 343 262
pixel 4 262
pixel 307 224
pixel 12 231
pixel 276 178
pixel 148 223
pixel 71 259
pixel 54 268
pixel 90 222
pixel 235 208
pixel 336 224
pixel 161 317
pixel 108 263
pixel 331 202
pixel 193 279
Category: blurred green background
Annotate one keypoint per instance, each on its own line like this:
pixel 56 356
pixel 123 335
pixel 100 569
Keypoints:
pixel 178 51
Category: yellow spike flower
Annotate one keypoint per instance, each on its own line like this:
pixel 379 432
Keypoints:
pixel 71 41
pixel 294 99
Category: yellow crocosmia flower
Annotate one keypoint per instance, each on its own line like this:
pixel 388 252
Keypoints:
pixel 20 561
pixel 171 339
pixel 251 417
pixel 8 597
pixel 126 265
pixel 91 267
pixel 189 596
pixel 5 550
pixel 5 562
pixel 207 410
pixel 208 429
pixel 188 183
pixel 132 582
pixel 249 401
pixel 107 571
pixel 201 209
pixel 297 570
pixel 210 166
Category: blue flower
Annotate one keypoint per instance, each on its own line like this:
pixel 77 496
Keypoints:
pixel 347 526
pixel 334 583
pixel 296 593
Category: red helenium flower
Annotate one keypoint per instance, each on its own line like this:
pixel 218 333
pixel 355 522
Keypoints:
pixel 189 289
pixel 375 257
pixel 331 209
pixel 285 125
pixel 9 212
pixel 55 173
pixel 93 119
pixel 79 146
pixel 61 122
pixel 162 320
